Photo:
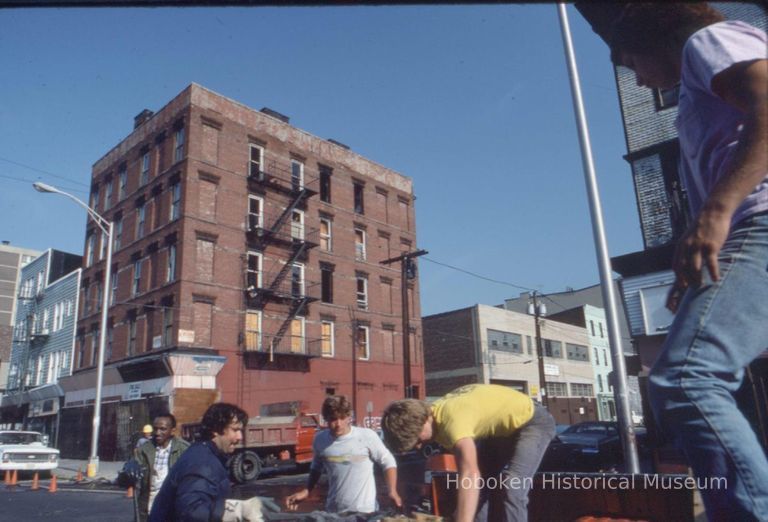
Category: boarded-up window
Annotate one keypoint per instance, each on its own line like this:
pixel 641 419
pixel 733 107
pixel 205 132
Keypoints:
pixel 203 322
pixel 207 200
pixel 326 338
pixel 386 295
pixel 388 344
pixel 204 265
pixel 384 246
pixel 404 213
pixel 210 144
pixel 381 204
pixel 253 330
pixel 297 335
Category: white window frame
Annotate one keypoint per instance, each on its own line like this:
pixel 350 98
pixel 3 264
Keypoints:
pixel 122 177
pixel 367 330
pixel 360 247
pixel 259 221
pixel 260 257
pixel 251 163
pixel 300 266
pixel 103 246
pixel 108 194
pixel 141 220
pixel 118 233
pixel 89 250
pixel 300 164
pixel 362 297
pixel 331 339
pixel 113 291
pixel 327 237
pixel 136 282
pixel 297 227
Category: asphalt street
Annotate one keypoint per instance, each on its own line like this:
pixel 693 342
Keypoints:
pixel 85 505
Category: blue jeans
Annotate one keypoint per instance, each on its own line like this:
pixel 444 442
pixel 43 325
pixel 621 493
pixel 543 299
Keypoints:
pixel 719 329
pixel 511 462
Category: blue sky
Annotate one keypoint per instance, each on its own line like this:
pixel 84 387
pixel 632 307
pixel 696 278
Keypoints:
pixel 472 102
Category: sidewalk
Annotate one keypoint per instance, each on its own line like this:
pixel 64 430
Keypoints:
pixel 68 469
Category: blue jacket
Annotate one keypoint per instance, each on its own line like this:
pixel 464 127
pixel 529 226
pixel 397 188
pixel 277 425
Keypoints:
pixel 195 488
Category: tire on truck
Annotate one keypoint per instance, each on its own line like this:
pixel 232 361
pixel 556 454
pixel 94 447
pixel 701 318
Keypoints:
pixel 244 466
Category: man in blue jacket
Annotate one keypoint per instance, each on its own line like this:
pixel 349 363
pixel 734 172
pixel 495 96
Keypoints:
pixel 198 485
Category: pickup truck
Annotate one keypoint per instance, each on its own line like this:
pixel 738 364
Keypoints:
pixel 268 442
pixel 26 451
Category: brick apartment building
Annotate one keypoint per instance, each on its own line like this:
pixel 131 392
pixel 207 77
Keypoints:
pixel 246 269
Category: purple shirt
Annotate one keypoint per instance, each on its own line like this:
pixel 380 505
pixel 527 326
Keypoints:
pixel 708 127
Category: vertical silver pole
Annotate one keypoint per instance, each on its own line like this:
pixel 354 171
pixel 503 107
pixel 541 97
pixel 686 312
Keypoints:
pixel 627 431
pixel 93 460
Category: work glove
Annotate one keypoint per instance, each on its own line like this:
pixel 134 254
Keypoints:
pixel 248 510
pixel 131 474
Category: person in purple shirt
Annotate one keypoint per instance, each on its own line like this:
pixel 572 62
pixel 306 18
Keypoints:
pixel 720 294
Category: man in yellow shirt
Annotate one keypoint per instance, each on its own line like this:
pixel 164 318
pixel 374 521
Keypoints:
pixel 498 436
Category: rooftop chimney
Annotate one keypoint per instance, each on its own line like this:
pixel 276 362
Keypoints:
pixel 142 117
pixel 280 116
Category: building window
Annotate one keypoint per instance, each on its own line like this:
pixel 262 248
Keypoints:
pixel 600 383
pixel 256 161
pixel 581 390
pixel 103 246
pixel 297 224
pixel 253 272
pixel 592 327
pixel 99 296
pixel 325 184
pixel 131 336
pixel 359 244
pixel 136 277
pixel 141 218
pixel 178 152
pixel 89 250
pixel 325 235
pixel 255 212
pixel 597 358
pixel 326 283
pixel 576 352
pixel 86 301
pixel 118 234
pixel 605 357
pixel 363 342
pixel 253 330
pixel 600 325
pixel 167 325
pixel 666 98
pixel 557 389
pixel 170 274
pixel 552 348
pixel 504 341
pixel 359 201
pixel 114 283
pixel 110 335
pixel 297 175
pixel 94 202
pixel 122 180
pixel 297 280
pixel 108 194
pixel 144 178
pixel 297 335
pixel 362 292
pixel 175 200
pixel 326 339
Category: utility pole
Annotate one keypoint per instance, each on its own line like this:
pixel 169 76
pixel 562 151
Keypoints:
pixel 407 271
pixel 537 310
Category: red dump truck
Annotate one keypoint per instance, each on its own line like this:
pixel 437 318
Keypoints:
pixel 268 442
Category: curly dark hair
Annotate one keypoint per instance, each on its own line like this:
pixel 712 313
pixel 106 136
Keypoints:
pixel 336 407
pixel 655 27
pixel 218 416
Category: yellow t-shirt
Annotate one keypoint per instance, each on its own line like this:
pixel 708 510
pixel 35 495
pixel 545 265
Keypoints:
pixel 479 411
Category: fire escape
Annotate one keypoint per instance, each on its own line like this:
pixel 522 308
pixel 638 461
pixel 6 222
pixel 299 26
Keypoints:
pixel 283 283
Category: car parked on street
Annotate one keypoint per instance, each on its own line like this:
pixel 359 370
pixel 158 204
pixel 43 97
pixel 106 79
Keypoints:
pixel 591 446
pixel 26 451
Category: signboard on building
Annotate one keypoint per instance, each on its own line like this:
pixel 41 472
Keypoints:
pixel 186 336
pixel 134 391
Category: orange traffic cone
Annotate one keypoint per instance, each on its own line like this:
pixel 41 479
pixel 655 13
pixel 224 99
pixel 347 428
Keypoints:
pixel 129 492
pixel 7 480
pixel 52 487
pixel 79 476
pixel 35 482
pixel 14 477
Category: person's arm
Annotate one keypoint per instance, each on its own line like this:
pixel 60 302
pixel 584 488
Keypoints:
pixel 197 498
pixel 386 461
pixel 292 502
pixel 390 476
pixel 468 496
pixel 743 86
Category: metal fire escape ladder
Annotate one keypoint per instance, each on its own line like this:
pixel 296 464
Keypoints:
pixel 296 308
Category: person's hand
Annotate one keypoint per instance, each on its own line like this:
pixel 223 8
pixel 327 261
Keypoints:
pixel 131 474
pixel 396 500
pixel 292 502
pixel 698 249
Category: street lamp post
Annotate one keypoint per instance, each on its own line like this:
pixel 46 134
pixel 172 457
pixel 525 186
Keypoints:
pixel 537 310
pixel 107 228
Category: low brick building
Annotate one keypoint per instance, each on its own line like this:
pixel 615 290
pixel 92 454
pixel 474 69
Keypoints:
pixel 246 269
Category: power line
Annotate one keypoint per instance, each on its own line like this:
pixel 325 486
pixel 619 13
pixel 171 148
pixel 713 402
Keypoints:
pixel 22 180
pixel 478 275
pixel 44 172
